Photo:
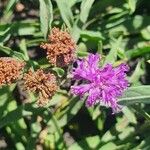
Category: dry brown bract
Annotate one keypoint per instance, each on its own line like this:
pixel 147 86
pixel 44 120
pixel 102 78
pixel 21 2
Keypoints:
pixel 10 70
pixel 44 84
pixel 61 49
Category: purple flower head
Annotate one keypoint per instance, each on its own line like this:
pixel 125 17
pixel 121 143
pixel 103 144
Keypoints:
pixel 103 85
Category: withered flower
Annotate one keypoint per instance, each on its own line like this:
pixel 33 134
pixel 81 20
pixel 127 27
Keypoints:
pixel 61 48
pixel 44 84
pixel 10 70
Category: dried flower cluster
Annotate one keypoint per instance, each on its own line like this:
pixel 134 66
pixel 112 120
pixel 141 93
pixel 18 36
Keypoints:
pixel 10 70
pixel 61 49
pixel 44 84
pixel 103 85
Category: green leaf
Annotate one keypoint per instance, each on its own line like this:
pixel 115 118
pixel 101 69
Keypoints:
pixel 23 48
pixel 19 146
pixel 137 21
pixel 112 55
pixel 46 16
pixel 132 5
pixel 5 34
pixel 85 9
pixel 66 12
pixel 148 61
pixel 109 146
pixel 11 116
pixel 82 53
pixel 94 35
pixel 126 132
pixel 94 112
pixel 73 2
pixel 21 28
pixel 12 53
pixel 21 111
pixel 93 142
pixel 142 112
pixel 82 50
pixel 146 33
pixel 82 47
pixel 145 144
pixel 138 94
pixel 35 42
pixel 128 25
pixel 10 5
pixel 70 111
pixel 75 32
pixel 15 131
pixel 60 72
pixel 34 133
pixel 138 72
pixel 5 97
pixel 87 143
pixel 100 47
pixel 129 114
pixel 60 140
pixel 132 53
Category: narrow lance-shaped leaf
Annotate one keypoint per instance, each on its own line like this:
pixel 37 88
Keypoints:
pixel 85 9
pixel 138 72
pixel 12 53
pixel 23 48
pixel 10 5
pixel 72 2
pixel 112 55
pixel 138 94
pixel 66 12
pixel 132 53
pixel 46 16
pixel 95 35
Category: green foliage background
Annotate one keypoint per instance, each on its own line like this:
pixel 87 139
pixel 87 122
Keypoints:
pixel 119 30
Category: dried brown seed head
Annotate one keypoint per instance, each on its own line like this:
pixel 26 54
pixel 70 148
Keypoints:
pixel 10 70
pixel 44 84
pixel 61 48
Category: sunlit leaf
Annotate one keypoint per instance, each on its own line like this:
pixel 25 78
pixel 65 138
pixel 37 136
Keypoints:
pixel 66 12
pixel 138 72
pixel 94 35
pixel 85 9
pixel 60 72
pixel 132 5
pixel 146 33
pixel 137 94
pixel 12 53
pixel 137 52
pixel 88 143
pixel 112 55
pixel 46 16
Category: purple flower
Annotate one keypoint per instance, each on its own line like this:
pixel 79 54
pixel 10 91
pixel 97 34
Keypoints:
pixel 102 85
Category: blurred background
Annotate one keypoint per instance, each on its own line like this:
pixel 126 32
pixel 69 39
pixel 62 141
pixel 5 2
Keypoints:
pixel 119 30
